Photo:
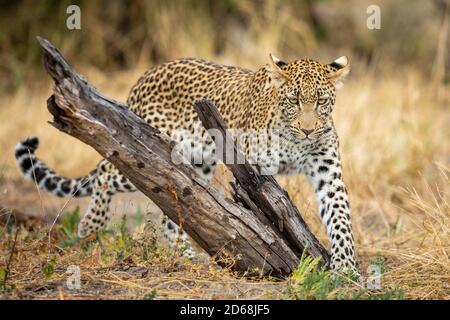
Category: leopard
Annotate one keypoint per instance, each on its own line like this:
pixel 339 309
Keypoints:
pixel 292 100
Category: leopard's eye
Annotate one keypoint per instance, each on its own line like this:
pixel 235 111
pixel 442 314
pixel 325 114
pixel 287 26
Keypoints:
pixel 293 100
pixel 322 101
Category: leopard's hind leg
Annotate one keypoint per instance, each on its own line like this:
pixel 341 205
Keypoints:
pixel 107 182
pixel 199 151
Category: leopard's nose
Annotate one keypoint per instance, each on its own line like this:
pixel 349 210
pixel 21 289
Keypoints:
pixel 307 131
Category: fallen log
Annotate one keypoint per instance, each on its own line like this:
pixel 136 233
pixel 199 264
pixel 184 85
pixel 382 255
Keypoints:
pixel 262 231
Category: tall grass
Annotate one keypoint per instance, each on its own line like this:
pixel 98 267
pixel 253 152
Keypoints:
pixel 118 35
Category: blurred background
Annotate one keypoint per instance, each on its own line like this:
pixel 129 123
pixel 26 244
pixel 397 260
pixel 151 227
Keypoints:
pixel 392 115
pixel 122 35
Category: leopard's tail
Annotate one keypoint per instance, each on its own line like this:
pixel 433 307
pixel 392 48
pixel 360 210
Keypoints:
pixel 45 178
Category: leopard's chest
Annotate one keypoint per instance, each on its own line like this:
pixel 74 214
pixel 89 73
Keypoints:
pixel 281 156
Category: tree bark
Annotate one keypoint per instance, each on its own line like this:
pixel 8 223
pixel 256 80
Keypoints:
pixel 264 231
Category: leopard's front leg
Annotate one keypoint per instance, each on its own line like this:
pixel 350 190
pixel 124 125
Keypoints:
pixel 323 169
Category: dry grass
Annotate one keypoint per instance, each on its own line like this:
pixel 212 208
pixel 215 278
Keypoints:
pixel 117 266
pixel 396 151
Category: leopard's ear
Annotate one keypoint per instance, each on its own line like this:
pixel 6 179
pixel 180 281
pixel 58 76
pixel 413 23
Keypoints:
pixel 275 68
pixel 338 70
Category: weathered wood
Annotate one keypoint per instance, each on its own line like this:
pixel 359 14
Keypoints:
pixel 145 156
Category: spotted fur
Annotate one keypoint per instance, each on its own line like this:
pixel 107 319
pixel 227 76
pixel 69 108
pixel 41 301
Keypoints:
pixel 293 102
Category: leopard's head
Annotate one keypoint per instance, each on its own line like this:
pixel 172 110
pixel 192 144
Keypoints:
pixel 306 94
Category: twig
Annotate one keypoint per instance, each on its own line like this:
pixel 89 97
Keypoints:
pixel 61 210
pixel 35 183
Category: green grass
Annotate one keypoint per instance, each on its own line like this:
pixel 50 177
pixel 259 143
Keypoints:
pixel 311 282
pixel 69 225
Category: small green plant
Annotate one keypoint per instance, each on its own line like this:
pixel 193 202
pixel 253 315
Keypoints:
pixel 49 267
pixel 310 282
pixel 115 242
pixel 379 262
pixel 150 295
pixel 3 285
pixel 2 277
pixel 122 239
pixel 69 225
pixel 120 248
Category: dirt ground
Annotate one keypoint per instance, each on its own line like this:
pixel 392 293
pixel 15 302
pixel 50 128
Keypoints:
pixel 124 279
pixel 171 277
